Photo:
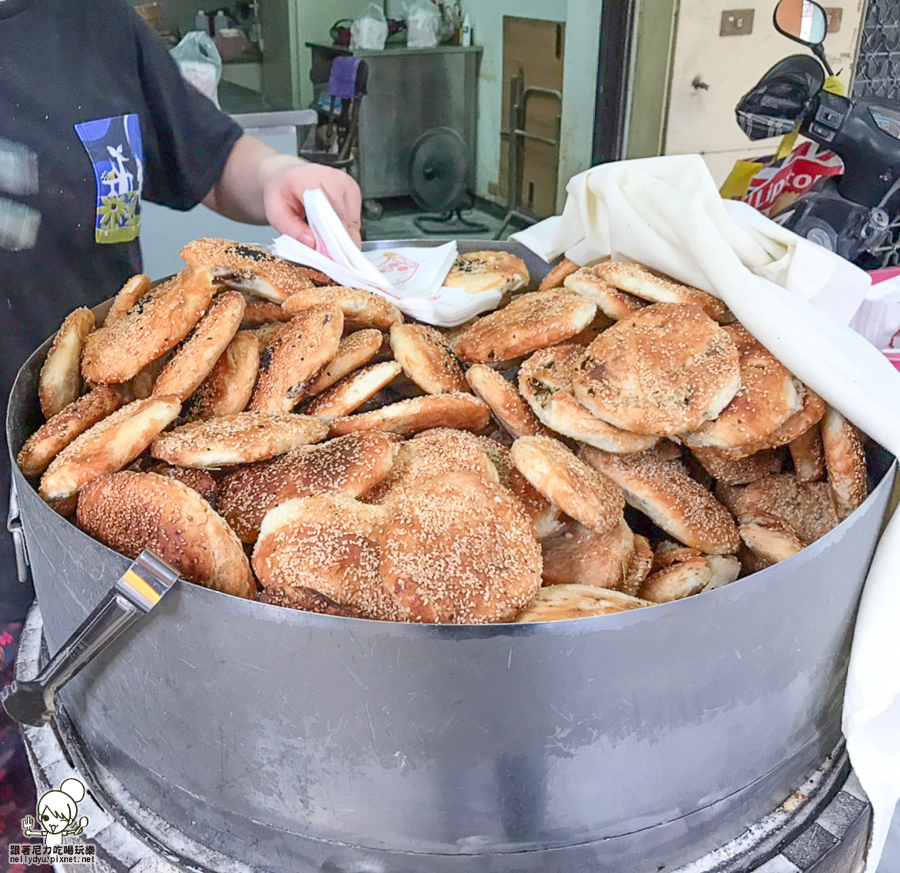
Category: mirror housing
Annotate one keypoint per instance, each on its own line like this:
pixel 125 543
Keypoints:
pixel 803 21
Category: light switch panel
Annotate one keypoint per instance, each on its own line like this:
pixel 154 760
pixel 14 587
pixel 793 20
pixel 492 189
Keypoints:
pixel 737 22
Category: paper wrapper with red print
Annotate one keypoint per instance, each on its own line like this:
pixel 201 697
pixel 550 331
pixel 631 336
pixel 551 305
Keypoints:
pixel 771 184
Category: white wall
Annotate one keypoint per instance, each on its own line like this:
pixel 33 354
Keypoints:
pixel 702 120
pixel 582 18
pixel 314 23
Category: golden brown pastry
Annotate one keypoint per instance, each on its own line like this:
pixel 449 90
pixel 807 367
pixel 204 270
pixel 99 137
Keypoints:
pixel 487 271
pixel 228 387
pixel 770 538
pixel 648 285
pixel 639 567
pixel 108 446
pixel 546 380
pixel 259 312
pixel 507 405
pixel 663 371
pixel 265 334
pixel 197 355
pixel 584 557
pixel 130 512
pixel 155 324
pixel 236 439
pixel 807 507
pixel 610 301
pixel 547 519
pixel 669 497
pixel 432 453
pixel 808 455
pixel 460 550
pixel 129 294
pixel 60 380
pixel 768 397
pixel 329 544
pixel 459 411
pixel 295 357
pixel 845 460
pixel 530 322
pixel 557 276
pixel 558 602
pixel 352 391
pixel 568 483
pixel 426 358
pixel 64 427
pixel 360 308
pixel 248 268
pixel 350 466
pixel 810 413
pixel 740 472
pixel 355 350
pixel 201 481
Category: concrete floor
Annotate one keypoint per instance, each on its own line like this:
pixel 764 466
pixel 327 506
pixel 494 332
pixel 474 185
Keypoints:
pixel 397 223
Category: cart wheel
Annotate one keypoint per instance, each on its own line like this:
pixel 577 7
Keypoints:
pixel 373 210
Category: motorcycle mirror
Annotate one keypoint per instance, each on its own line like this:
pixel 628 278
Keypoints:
pixel 803 21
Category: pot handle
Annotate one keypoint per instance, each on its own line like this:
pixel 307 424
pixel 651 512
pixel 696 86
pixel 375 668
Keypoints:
pixel 139 589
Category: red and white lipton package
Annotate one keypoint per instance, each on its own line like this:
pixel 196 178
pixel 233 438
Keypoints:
pixel 770 184
pixel 777 184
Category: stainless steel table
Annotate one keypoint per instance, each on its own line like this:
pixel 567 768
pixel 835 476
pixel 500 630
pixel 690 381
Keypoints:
pixel 409 92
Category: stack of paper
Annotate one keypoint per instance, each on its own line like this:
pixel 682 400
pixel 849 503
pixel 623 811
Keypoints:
pixel 412 278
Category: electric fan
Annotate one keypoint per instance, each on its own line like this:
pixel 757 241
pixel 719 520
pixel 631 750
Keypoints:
pixel 438 170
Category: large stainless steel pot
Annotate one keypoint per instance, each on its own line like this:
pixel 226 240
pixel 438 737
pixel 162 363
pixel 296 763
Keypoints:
pixel 296 742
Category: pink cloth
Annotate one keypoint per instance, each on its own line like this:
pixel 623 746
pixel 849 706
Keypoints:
pixel 17 793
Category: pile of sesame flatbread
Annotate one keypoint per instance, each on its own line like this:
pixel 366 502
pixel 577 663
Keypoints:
pixel 607 441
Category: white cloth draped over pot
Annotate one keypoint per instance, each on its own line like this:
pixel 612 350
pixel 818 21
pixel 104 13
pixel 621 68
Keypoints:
pixel 798 300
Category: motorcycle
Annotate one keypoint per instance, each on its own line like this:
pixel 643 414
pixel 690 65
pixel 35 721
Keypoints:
pixel 850 214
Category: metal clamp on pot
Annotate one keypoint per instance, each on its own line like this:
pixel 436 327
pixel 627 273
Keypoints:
pixel 14 526
pixel 135 593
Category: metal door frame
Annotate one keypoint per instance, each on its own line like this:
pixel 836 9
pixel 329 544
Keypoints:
pixel 614 74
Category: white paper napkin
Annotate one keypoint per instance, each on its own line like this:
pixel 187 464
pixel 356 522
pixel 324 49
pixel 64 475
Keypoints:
pixel 412 278
pixel 797 299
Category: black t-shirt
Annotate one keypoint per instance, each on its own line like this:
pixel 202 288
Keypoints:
pixel 94 115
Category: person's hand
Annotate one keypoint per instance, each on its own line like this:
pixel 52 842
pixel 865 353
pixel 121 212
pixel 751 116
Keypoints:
pixel 285 179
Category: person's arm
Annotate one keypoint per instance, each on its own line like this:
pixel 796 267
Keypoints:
pixel 259 185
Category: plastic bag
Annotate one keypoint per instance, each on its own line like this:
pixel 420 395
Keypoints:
pixel 200 63
pixel 370 30
pixel 423 24
pixel 878 318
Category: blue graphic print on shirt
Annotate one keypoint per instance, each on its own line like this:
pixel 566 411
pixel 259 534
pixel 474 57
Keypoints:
pixel 116 149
